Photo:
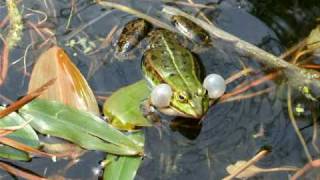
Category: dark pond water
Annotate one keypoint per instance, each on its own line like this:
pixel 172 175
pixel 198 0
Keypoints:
pixel 227 132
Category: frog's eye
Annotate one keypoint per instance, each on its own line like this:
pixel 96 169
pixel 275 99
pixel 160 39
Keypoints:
pixel 215 85
pixel 182 97
pixel 161 95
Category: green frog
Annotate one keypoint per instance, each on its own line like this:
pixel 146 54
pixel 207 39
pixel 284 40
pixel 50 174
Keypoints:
pixel 168 64
pixel 166 61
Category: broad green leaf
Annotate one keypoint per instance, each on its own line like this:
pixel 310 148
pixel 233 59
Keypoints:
pixel 313 40
pixel 70 86
pixel 25 135
pixel 123 167
pixel 79 127
pixel 123 107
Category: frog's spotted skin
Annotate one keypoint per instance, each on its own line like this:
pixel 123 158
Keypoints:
pixel 192 31
pixel 133 32
pixel 166 61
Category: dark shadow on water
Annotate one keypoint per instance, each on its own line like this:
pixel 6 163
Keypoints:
pixel 189 128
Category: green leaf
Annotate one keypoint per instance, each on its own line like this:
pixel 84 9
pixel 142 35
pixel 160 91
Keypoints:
pixel 123 107
pixel 25 135
pixel 123 167
pixel 79 127
pixel 313 40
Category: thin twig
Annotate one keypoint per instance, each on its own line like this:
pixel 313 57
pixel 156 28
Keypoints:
pixel 238 75
pixel 201 13
pixel 315 131
pixel 307 167
pixel 190 4
pixel 84 26
pixel 18 172
pixel 295 126
pixel 252 161
pixel 4 61
pixel 247 96
pixel 252 84
pixel 137 13
pixel 29 97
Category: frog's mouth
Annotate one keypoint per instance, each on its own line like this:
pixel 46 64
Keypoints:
pixel 172 111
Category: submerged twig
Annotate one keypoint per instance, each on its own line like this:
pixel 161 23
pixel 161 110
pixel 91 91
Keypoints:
pixel 295 126
pixel 253 160
pixel 26 99
pixel 315 132
pixel 307 167
pixel 84 26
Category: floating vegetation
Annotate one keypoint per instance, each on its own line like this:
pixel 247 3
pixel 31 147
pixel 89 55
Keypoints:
pixel 16 26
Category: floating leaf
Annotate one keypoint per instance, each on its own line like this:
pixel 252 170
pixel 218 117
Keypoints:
pixel 79 127
pixel 70 87
pixel 124 167
pixel 123 107
pixel 25 135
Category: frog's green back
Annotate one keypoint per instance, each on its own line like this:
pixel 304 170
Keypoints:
pixel 168 62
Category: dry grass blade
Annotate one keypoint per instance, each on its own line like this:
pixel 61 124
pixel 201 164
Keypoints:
pixel 195 5
pixel 139 14
pixel 315 131
pixel 238 75
pixel 254 170
pixel 250 85
pixel 31 150
pixel 7 130
pixel 20 173
pixel 4 60
pixel 247 96
pixel 29 97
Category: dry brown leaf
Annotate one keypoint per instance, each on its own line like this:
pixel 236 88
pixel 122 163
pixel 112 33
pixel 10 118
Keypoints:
pixel 70 87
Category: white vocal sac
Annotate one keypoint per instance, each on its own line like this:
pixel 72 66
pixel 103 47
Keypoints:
pixel 215 85
pixel 161 95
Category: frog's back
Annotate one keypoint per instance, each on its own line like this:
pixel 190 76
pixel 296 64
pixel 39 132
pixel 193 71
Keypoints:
pixel 166 61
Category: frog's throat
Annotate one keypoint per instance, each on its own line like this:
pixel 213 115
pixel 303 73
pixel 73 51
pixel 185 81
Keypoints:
pixel 172 111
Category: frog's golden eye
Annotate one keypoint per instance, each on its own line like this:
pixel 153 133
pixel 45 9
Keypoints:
pixel 182 97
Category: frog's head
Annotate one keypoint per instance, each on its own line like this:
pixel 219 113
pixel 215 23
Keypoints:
pixel 188 102
pixel 191 104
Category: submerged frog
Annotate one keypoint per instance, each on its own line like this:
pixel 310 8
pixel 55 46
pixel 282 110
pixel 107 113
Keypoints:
pixel 173 75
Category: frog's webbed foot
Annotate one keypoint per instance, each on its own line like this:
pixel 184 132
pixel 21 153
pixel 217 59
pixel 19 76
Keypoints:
pixel 149 112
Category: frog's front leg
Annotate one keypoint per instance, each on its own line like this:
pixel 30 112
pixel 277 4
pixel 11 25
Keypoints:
pixel 149 111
